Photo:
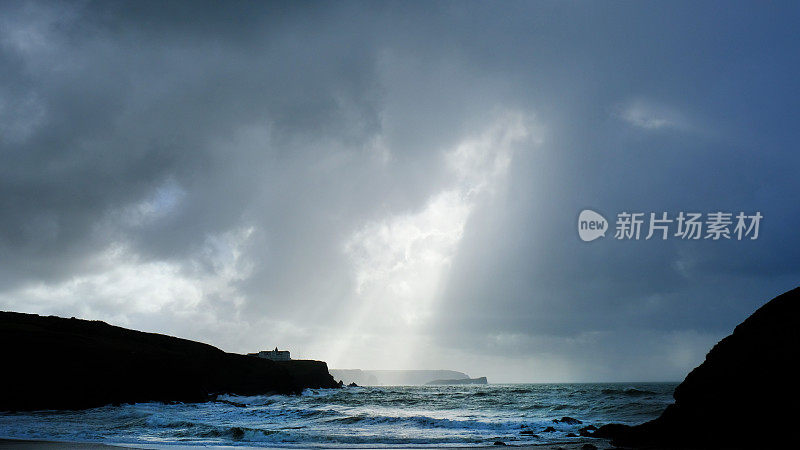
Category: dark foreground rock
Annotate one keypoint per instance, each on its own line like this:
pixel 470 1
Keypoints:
pixel 568 420
pixel 57 363
pixel 743 395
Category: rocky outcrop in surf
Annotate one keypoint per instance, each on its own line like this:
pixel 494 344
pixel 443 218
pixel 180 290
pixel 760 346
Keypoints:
pixel 56 363
pixel 736 397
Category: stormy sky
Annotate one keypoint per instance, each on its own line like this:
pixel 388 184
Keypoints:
pixel 390 185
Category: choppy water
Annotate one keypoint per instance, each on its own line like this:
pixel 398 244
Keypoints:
pixel 476 415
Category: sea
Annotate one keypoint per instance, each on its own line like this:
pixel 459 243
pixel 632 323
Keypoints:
pixel 357 417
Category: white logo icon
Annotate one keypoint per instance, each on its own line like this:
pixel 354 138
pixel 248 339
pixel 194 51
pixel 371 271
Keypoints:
pixel 591 225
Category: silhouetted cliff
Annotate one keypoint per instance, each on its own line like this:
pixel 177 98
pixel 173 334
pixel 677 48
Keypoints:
pixel 56 363
pixel 740 396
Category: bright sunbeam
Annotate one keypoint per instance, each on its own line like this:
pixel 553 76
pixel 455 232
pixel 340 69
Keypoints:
pixel 400 263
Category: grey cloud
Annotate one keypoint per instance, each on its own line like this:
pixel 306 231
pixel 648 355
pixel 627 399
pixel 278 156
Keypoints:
pixel 238 148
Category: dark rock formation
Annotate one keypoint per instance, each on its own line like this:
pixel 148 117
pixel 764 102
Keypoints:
pixel 479 380
pixel 568 421
pixel 57 363
pixel 746 383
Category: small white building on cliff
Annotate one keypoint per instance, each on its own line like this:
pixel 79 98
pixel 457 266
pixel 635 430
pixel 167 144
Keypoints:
pixel 274 355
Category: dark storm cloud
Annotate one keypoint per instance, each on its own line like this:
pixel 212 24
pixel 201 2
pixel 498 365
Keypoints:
pixel 730 149
pixel 733 154
pixel 274 133
pixel 132 100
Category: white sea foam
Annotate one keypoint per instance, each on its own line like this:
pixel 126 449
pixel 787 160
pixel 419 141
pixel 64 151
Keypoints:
pixel 384 417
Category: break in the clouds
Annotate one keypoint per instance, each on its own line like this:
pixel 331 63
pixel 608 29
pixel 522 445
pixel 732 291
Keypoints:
pixel 395 185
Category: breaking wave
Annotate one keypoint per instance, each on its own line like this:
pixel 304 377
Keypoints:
pixel 437 416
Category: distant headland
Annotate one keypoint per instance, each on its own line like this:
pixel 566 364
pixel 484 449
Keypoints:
pixel 364 377
pixel 479 380
pixel 57 363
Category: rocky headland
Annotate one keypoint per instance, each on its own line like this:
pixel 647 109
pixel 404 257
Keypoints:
pixel 744 395
pixel 57 363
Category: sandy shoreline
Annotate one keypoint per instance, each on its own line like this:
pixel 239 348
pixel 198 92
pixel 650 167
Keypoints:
pixel 55 445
